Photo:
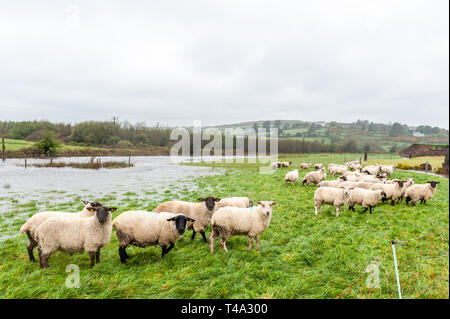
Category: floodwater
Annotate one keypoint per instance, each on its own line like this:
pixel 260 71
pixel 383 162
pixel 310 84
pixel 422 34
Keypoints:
pixel 149 178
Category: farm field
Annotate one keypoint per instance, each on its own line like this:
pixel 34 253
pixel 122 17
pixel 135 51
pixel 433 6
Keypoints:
pixel 301 256
pixel 13 145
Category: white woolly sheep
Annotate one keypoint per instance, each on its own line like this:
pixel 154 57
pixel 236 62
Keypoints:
pixel 393 191
pixel 229 221
pixel 305 166
pixel 291 177
pixel 315 177
pixel 242 202
pixel 332 196
pixel 355 167
pixel 352 184
pixel 143 229
pixel 75 234
pixel 37 219
pixel 274 166
pixel 387 169
pixel 365 197
pixel 408 182
pixel 337 170
pixel 285 164
pixel 422 192
pixel 200 212
pixel 372 169
pixel 318 165
pixel 334 183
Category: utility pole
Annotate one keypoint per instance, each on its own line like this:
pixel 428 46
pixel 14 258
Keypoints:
pixel 3 149
pixel 303 143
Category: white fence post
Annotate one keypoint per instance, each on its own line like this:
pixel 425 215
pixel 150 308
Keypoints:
pixel 396 270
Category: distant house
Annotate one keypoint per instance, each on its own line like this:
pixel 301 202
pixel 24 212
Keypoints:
pixel 416 150
pixel 418 134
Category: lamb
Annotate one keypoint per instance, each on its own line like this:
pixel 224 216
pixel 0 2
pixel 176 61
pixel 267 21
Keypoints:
pixel 337 169
pixel 422 192
pixel 31 224
pixel 285 164
pixel 393 191
pixel 387 169
pixel 75 234
pixel 229 221
pixel 318 166
pixel 315 177
pixel 332 196
pixel 334 183
pixel 200 212
pixel 242 202
pixel 143 229
pixel 291 177
pixel 305 166
pixel 365 197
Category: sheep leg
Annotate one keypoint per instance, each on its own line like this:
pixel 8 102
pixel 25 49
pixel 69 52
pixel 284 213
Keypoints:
pixel 211 241
pixel 223 243
pixel 257 242
pixel 92 255
pixel 193 234
pixel 43 260
pixel 370 211
pixel 41 265
pixel 97 256
pixel 167 249
pixel 250 244
pixel 364 210
pixel 424 201
pixel 338 211
pixel 31 245
pixel 392 202
pixel 123 254
pixel 204 236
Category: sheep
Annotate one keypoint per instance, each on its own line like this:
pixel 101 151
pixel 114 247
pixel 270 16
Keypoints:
pixel 393 191
pixel 408 182
pixel 422 192
pixel 291 177
pixel 274 166
pixel 75 234
pixel 365 197
pixel 332 196
pixel 337 169
pixel 242 202
pixel 364 185
pixel 200 212
pixel 372 169
pixel 229 221
pixel 355 167
pixel 370 179
pixel 305 166
pixel 315 177
pixel 143 229
pixel 387 169
pixel 318 165
pixel 31 224
pixel 285 164
pixel 334 183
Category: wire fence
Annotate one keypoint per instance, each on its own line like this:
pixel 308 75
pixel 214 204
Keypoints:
pixel 417 268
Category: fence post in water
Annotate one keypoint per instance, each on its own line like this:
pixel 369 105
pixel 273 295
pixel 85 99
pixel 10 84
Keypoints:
pixel 396 270
pixel 129 160
pixel 25 163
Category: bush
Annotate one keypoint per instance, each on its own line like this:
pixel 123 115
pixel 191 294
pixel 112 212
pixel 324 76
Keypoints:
pixel 48 144
pixel 403 166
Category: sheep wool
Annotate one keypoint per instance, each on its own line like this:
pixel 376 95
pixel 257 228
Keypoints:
pixel 242 202
pixel 393 191
pixel 331 196
pixel 229 221
pixel 305 166
pixel 291 177
pixel 315 177
pixel 365 197
pixel 422 192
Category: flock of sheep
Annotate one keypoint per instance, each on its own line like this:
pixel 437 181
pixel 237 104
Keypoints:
pixel 90 230
pixel 357 185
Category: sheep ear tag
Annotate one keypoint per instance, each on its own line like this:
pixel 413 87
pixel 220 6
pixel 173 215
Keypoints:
pixel 91 209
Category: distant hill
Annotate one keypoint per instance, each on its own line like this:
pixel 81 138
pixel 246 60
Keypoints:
pixel 373 136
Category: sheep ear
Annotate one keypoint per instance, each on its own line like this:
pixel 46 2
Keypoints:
pixel 190 220
pixel 92 209
pixel 112 209
pixel 258 203
pixel 272 203
pixel 85 202
pixel 171 219
pixel 201 199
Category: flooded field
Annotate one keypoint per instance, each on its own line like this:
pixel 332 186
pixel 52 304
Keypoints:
pixel 26 191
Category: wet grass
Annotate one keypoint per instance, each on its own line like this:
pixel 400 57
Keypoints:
pixel 301 256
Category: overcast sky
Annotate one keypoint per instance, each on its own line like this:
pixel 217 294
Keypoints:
pixel 225 61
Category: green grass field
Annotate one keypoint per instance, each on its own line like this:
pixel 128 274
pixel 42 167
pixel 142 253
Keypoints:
pixel 13 145
pixel 301 256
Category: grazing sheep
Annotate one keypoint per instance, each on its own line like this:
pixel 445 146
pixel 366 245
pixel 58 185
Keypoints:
pixel 332 196
pixel 200 212
pixel 143 229
pixel 318 166
pixel 334 183
pixel 408 182
pixel 422 192
pixel 291 177
pixel 31 224
pixel 365 197
pixel 75 234
pixel 242 202
pixel 275 166
pixel 372 169
pixel 387 169
pixel 393 191
pixel 285 164
pixel 364 185
pixel 355 167
pixel 230 221
pixel 305 166
pixel 370 179
pixel 337 170
pixel 315 177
